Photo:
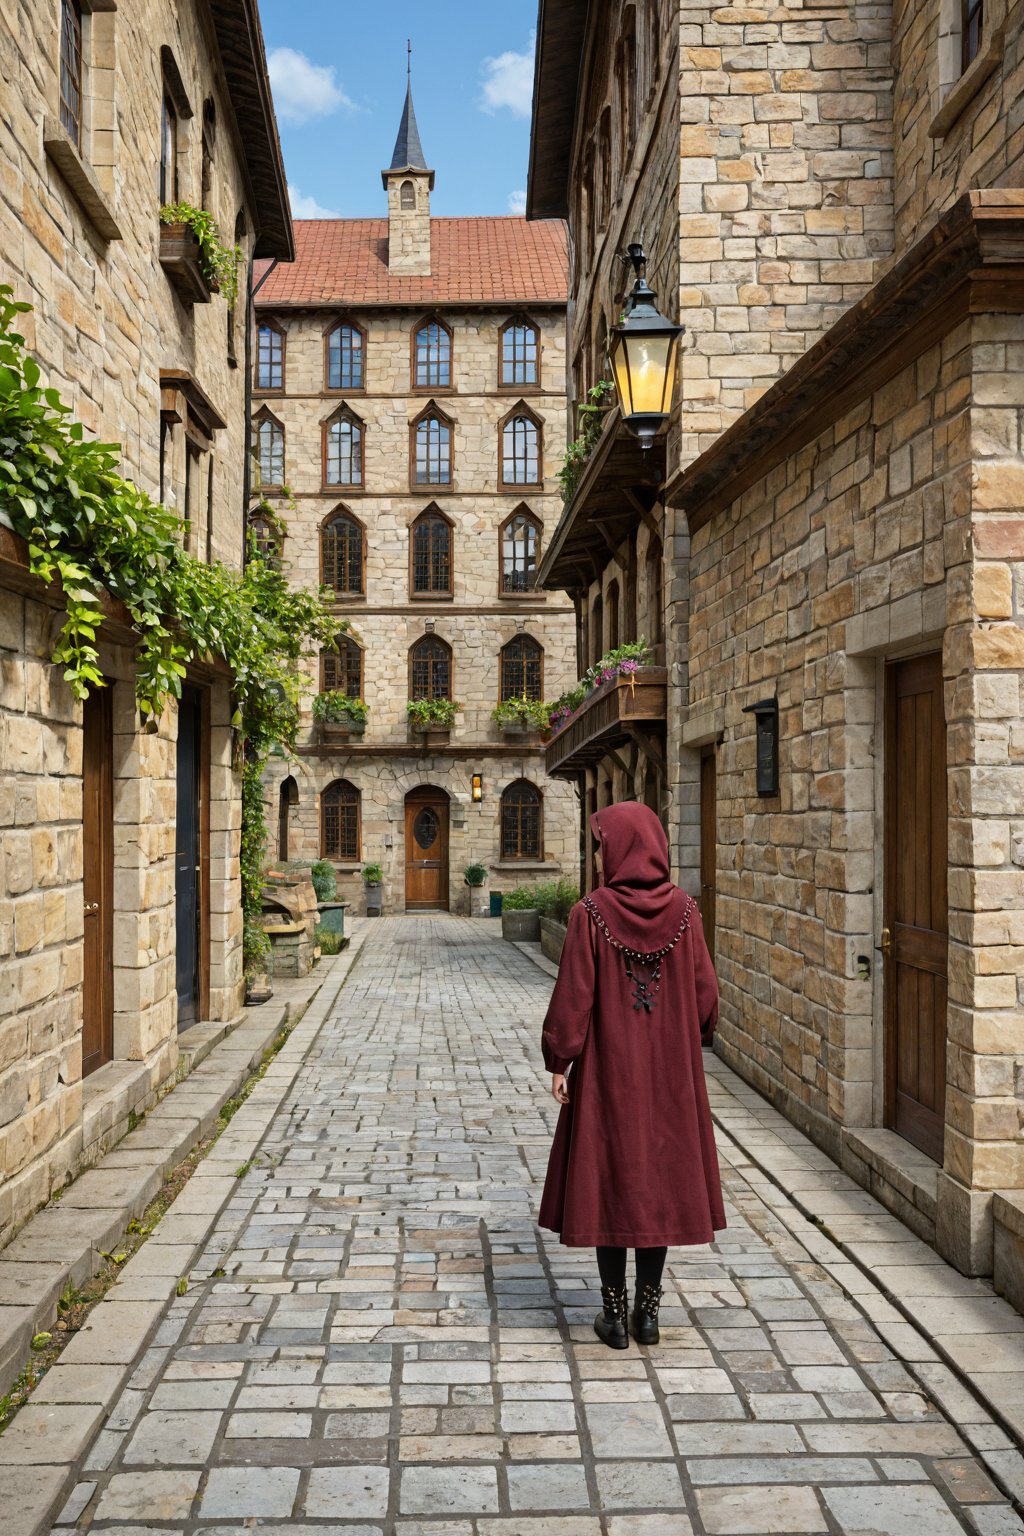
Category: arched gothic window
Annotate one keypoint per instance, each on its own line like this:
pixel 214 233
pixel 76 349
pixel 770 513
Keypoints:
pixel 520 546
pixel 431 555
pixel 522 669
pixel 267 538
pixel 432 356
pixel 341 554
pixel 345 351
pixel 522 821
pixel 430 669
pixel 407 195
pixel 520 449
pixel 343 450
pixel 341 670
pixel 339 821
pixel 270 450
pixel 432 450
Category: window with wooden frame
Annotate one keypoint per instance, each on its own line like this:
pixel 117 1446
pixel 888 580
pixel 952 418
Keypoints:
pixel 518 352
pixel 344 356
pixel 343 449
pixel 430 669
pixel 521 448
pixel 596 630
pixel 521 669
pixel 267 538
pixel 270 450
pixel 341 670
pixel 168 151
pixel 519 539
pixel 972 21
pixel 71 70
pixel 655 584
pixel 431 449
pixel 432 355
pixel 431 555
pixel 522 821
pixel 613 617
pixel 339 822
pixel 209 140
pixel 343 554
pixel 269 356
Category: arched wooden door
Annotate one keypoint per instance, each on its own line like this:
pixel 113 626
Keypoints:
pixel 288 795
pixel 426 850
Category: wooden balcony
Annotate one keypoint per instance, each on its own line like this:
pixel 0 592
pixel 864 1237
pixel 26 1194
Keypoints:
pixel 629 710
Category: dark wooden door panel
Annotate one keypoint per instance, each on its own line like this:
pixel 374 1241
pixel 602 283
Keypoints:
pixel 426 854
pixel 708 839
pixel 187 872
pixel 916 911
pixel 98 880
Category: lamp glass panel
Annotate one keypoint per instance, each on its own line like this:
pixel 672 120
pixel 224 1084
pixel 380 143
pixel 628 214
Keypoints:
pixel 648 369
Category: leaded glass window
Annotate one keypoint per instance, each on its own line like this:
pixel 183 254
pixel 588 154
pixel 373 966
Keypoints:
pixel 519 352
pixel 339 821
pixel 522 669
pixel 344 456
pixel 345 358
pixel 270 451
pixel 520 538
pixel 342 670
pixel 432 364
pixel 71 69
pixel 433 465
pixel 269 358
pixel 431 669
pixel 520 451
pixel 431 554
pixel 341 550
pixel 521 821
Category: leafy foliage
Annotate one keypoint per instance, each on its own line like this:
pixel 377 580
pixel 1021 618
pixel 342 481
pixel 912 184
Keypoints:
pixel 439 713
pixel 475 874
pixel 330 943
pixel 92 533
pixel 336 708
pixel 217 261
pixel 591 413
pixel 531 713
pixel 556 898
pixel 520 899
pixel 372 874
pixel 325 883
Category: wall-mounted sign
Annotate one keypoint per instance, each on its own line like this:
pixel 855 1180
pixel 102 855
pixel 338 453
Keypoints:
pixel 766 722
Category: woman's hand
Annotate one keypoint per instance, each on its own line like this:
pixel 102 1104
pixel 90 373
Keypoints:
pixel 559 1091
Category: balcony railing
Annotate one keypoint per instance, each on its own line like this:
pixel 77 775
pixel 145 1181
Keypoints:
pixel 632 708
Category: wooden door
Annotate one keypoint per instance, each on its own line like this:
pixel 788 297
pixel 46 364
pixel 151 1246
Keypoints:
pixel 98 880
pixel 915 942
pixel 187 867
pixel 426 851
pixel 288 795
pixel 708 840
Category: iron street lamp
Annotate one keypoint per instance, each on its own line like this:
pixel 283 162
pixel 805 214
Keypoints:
pixel 643 353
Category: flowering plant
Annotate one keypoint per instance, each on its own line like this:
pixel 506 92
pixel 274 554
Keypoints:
pixel 623 661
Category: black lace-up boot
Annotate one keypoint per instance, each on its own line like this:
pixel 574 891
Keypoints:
pixel 610 1324
pixel 645 1314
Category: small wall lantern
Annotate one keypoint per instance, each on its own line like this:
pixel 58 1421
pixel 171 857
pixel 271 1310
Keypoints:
pixel 643 355
pixel 477 782
pixel 766 720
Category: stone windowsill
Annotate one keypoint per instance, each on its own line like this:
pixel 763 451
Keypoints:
pixel 526 866
pixel 963 91
pixel 81 178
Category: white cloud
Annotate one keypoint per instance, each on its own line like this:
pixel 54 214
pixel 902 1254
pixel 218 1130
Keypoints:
pixel 307 207
pixel 304 90
pixel 517 202
pixel 507 81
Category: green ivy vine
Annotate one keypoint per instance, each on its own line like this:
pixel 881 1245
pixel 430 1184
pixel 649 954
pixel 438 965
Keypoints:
pixel 92 532
pixel 218 262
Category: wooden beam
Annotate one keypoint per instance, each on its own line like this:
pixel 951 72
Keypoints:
pixel 648 744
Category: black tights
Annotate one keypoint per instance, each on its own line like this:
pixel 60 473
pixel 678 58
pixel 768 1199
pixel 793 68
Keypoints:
pixel 650 1262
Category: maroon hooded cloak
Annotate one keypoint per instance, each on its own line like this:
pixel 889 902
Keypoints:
pixel 633 1160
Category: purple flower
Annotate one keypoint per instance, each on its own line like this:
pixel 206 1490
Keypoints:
pixel 627 666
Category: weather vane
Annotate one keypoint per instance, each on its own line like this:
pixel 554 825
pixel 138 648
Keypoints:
pixel 408 62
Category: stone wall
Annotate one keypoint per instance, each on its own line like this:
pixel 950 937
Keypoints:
pixel 105 322
pixel 476 621
pixel 896 532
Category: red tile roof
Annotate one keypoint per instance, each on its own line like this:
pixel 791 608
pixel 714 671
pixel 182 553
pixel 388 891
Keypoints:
pixel 473 260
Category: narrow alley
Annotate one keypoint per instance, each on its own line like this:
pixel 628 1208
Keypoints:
pixel 376 1338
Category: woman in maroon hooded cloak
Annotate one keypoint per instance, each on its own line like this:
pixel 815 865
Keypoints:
pixel 633 1162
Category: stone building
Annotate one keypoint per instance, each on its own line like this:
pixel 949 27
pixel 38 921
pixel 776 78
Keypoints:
pixel 829 199
pixel 409 422
pixel 119 885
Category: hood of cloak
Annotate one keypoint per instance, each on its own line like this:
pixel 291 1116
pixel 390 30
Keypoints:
pixel 643 910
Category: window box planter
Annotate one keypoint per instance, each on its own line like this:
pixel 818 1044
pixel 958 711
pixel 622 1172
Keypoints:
pixel 179 257
pixel 430 734
pixel 552 937
pixel 336 733
pixel 521 926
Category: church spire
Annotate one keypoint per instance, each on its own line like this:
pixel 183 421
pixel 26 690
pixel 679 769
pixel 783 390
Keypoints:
pixel 408 182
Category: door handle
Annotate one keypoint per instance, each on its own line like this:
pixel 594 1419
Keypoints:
pixel 884 941
pixel 91 906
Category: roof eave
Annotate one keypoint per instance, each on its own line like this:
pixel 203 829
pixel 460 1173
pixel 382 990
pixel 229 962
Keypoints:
pixel 561 29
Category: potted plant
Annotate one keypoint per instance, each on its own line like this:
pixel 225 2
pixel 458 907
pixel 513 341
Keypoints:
pixel 475 876
pixel 331 912
pixel 520 717
pixel 196 260
pixel 432 718
pixel 338 716
pixel 256 964
pixel 373 880
pixel 520 915
pixel 555 900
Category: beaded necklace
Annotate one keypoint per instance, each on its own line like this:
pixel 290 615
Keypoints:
pixel 645 988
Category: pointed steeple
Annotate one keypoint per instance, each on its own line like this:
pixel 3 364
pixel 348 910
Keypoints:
pixel 408 182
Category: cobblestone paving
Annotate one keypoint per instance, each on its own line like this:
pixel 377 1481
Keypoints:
pixel 379 1339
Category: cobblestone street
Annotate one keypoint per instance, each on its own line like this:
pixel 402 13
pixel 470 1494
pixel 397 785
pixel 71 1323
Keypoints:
pixel 378 1339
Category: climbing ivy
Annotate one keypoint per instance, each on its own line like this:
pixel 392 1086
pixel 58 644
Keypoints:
pixel 92 532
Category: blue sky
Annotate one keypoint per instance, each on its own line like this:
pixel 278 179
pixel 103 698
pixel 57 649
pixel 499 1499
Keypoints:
pixel 338 72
